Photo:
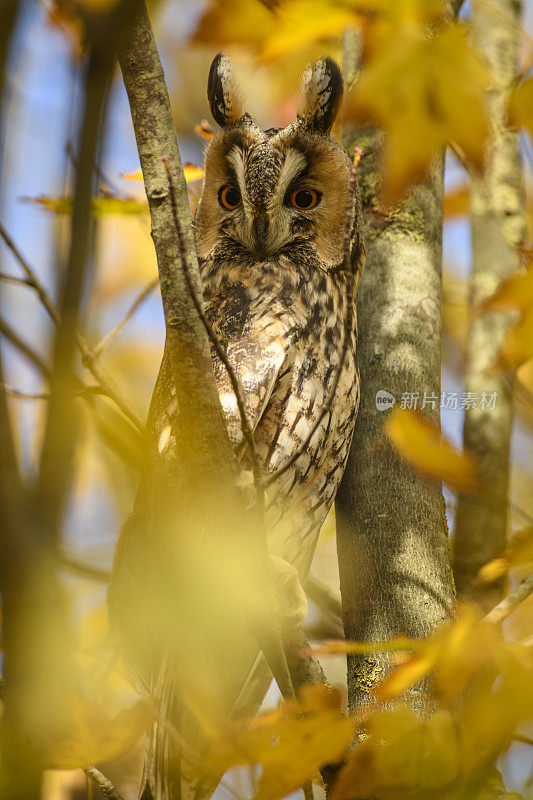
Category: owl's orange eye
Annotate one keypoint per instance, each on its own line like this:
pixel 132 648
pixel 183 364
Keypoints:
pixel 304 198
pixel 230 197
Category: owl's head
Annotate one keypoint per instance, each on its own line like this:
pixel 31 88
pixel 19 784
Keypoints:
pixel 272 191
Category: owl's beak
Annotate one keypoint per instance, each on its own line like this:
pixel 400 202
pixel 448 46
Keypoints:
pixel 260 229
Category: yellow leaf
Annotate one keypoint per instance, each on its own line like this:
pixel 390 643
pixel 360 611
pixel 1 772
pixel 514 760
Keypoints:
pixel 301 22
pixel 457 203
pixel 402 756
pixel 104 204
pixel 422 445
pixel 94 736
pixel 521 106
pixel 493 570
pixel 518 346
pixel 425 92
pixel 454 653
pixel 514 292
pixel 136 175
pixel 204 130
pixel 517 555
pixel 405 676
pixel 398 644
pixel 191 172
pixel 291 743
pixel 240 22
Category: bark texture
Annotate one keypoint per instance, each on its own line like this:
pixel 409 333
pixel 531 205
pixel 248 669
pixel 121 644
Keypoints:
pixel 498 228
pixel 395 573
pixel 204 444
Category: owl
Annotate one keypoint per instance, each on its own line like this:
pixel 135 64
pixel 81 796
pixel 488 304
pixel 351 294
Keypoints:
pixel 270 232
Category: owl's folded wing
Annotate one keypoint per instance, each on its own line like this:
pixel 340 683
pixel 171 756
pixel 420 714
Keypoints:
pixel 256 348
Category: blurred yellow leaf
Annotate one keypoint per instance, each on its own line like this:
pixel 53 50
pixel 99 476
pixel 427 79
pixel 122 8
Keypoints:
pixel 93 736
pixel 300 22
pixel 516 291
pixel 518 345
pixel 204 130
pixel 425 92
pixel 405 756
pixel 423 446
pixel 104 204
pixel 493 570
pixel 398 644
pixel 228 22
pixel 457 202
pixel 517 555
pixel 291 743
pixel 402 756
pixel 454 653
pixel 191 172
pixel 521 106
pixel 136 175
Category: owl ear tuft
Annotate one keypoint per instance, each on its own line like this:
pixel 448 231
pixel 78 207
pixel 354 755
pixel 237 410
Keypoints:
pixel 321 94
pixel 222 92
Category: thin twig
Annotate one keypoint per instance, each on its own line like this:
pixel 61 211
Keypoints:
pixel 15 279
pixel 85 570
pixel 20 395
pixel 26 349
pixel 90 360
pixel 247 432
pixel 87 392
pixel 323 597
pixel 103 783
pixel 511 601
pixel 98 171
pixel 521 737
pixel 34 281
pixel 350 276
pixel 88 356
pixel 112 335
pixel 308 790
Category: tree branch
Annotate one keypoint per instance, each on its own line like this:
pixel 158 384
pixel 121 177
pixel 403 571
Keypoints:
pixel 511 601
pixel 88 355
pixel 20 395
pixel 197 300
pixel 24 348
pixel 110 337
pixel 103 783
pixel 391 530
pixel 498 228
pixel 201 420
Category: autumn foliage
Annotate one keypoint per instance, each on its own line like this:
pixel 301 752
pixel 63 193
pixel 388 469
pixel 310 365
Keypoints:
pixel 420 80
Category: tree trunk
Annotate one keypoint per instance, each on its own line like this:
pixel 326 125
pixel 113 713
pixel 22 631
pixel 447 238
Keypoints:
pixel 497 229
pixel 394 564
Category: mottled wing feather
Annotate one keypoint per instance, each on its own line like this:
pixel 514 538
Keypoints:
pixel 255 347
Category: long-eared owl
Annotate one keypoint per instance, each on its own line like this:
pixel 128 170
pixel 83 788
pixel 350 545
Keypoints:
pixel 270 236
